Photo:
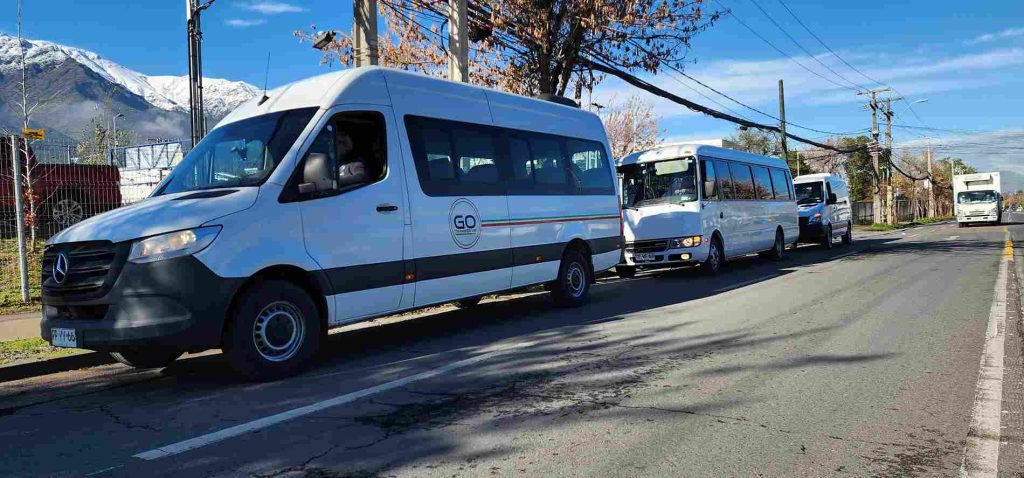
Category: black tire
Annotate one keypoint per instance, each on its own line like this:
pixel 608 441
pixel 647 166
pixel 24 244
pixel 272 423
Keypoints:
pixel 712 266
pixel 148 358
pixel 848 237
pixel 468 303
pixel 826 241
pixel 274 331
pixel 573 284
pixel 625 272
pixel 778 249
pixel 960 225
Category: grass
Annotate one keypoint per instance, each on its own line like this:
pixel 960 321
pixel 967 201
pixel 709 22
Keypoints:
pixel 10 282
pixel 916 222
pixel 22 350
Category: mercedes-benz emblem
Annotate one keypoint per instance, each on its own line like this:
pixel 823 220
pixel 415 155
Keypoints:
pixel 60 268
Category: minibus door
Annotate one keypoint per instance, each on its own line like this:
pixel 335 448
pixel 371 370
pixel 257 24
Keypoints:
pixel 355 232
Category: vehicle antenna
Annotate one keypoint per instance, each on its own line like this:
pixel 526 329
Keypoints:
pixel 266 76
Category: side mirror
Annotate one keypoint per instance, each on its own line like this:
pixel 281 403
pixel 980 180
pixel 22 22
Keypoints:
pixel 832 198
pixel 709 189
pixel 318 174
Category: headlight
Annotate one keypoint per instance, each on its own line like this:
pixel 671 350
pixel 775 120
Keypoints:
pixel 172 244
pixel 689 241
pixel 815 218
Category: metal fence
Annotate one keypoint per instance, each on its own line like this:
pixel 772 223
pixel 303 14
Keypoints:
pixel 61 184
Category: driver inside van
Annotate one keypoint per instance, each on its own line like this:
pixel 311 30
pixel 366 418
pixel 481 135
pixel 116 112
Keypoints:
pixel 351 166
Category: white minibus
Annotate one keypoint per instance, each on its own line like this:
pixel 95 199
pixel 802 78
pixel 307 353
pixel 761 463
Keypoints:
pixel 336 199
pixel 690 204
pixel 825 208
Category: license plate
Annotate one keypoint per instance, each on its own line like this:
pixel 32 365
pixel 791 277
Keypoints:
pixel 643 257
pixel 63 338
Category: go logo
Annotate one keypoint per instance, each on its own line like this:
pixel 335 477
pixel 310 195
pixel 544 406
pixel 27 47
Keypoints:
pixel 464 222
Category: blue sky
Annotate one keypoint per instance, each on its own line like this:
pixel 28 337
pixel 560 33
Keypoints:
pixel 965 58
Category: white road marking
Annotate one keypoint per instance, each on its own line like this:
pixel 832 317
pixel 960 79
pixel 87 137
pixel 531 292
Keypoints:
pixel 745 283
pixel 952 238
pixel 981 451
pixel 211 438
pixel 104 470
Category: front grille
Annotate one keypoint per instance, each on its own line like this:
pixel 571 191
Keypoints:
pixel 647 246
pixel 92 269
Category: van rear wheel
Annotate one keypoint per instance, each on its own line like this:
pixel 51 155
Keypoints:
pixel 778 247
pixel 848 237
pixel 274 331
pixel 573 283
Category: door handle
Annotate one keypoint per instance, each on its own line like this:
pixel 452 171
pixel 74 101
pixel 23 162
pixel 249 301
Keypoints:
pixel 386 208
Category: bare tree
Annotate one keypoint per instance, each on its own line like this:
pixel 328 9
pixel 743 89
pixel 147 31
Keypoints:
pixel 632 126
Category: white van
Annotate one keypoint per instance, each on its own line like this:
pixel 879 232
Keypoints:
pixel 689 204
pixel 825 209
pixel 337 199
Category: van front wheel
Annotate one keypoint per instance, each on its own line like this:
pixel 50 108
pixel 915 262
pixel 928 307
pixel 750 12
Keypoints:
pixel 274 331
pixel 573 283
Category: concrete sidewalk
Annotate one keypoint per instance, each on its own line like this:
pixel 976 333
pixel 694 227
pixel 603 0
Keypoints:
pixel 19 326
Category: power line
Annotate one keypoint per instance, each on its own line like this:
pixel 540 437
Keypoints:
pixel 794 60
pixel 800 46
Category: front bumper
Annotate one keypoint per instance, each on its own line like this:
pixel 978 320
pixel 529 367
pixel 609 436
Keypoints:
pixel 989 218
pixel 667 257
pixel 811 232
pixel 177 303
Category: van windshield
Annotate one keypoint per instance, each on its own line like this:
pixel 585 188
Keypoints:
pixel 243 153
pixel 808 193
pixel 976 197
pixel 661 182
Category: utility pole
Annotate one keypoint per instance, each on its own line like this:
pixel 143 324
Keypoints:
pixel 193 14
pixel 890 200
pixel 364 32
pixel 931 183
pixel 782 127
pixel 458 41
pixel 876 199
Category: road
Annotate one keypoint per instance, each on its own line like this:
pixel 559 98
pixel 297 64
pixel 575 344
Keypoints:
pixel 859 361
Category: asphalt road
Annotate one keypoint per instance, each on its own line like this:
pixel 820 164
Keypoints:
pixel 858 361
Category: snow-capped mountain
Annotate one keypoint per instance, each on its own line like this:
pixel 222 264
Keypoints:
pixel 46 59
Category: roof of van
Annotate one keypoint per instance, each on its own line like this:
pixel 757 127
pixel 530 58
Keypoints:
pixel 680 150
pixel 362 85
pixel 806 178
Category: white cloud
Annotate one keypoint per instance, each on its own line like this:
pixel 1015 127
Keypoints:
pixel 985 150
pixel 241 23
pixel 272 8
pixel 1001 35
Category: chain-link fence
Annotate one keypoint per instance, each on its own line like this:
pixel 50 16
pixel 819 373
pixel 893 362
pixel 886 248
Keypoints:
pixel 63 183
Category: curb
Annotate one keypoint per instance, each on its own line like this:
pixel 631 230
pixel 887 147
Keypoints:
pixel 11 373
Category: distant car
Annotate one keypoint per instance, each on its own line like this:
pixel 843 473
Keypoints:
pixel 823 202
pixel 64 193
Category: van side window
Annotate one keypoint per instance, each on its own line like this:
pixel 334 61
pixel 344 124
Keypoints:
pixel 779 182
pixel 763 183
pixel 589 167
pixel 742 181
pixel 724 179
pixel 355 144
pixel 455 159
pixel 522 162
pixel 550 170
pixel 710 185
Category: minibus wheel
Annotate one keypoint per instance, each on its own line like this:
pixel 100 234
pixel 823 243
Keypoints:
pixel 468 303
pixel 778 247
pixel 573 283
pixel 713 264
pixel 625 272
pixel 149 358
pixel 274 331
pixel 826 241
pixel 848 237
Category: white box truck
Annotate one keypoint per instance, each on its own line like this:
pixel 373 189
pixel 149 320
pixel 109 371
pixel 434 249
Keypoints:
pixel 977 198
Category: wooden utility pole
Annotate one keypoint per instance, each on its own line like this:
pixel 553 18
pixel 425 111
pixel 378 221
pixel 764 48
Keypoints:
pixel 890 200
pixel 931 183
pixel 876 196
pixel 364 32
pixel 458 41
pixel 782 127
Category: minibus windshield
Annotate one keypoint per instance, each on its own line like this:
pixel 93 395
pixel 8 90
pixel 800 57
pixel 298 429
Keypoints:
pixel 808 193
pixel 661 182
pixel 976 197
pixel 243 153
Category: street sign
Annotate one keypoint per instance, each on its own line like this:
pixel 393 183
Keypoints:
pixel 33 133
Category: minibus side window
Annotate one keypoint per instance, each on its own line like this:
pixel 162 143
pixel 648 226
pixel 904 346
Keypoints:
pixel 522 162
pixel 476 153
pixel 763 183
pixel 710 185
pixel 354 143
pixel 454 158
pixel 742 181
pixel 724 179
pixel 779 183
pixel 551 173
pixel 589 167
